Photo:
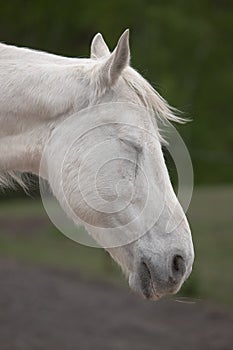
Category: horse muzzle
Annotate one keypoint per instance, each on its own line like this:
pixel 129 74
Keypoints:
pixel 153 281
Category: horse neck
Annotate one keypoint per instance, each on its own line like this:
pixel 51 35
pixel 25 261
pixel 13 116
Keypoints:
pixel 10 52
pixel 36 94
pixel 36 87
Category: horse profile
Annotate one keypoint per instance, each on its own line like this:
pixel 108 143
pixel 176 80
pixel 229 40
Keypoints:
pixel 39 92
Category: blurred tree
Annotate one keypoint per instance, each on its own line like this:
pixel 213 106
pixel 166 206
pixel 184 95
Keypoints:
pixel 183 47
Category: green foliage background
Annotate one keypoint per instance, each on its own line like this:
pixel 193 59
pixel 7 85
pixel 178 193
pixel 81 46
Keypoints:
pixel 184 48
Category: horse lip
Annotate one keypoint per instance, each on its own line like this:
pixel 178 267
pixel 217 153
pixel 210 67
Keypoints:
pixel 149 290
pixel 138 284
pixel 145 277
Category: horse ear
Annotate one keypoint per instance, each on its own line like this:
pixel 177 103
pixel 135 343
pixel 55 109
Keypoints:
pixel 118 60
pixel 99 47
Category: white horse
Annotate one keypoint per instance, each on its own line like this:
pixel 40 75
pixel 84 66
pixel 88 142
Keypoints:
pixel 39 91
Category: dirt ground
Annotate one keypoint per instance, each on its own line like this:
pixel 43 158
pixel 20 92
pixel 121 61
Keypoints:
pixel 44 308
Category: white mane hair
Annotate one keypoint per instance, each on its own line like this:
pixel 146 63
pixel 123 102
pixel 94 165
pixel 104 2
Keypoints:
pixel 150 98
pixel 13 178
pixel 146 94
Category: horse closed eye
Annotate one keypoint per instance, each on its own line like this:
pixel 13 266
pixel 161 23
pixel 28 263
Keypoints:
pixel 134 145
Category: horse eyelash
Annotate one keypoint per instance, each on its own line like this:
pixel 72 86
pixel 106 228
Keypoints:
pixel 138 150
pixel 136 147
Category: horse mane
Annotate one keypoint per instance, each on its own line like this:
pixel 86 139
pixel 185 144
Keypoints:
pixel 13 179
pixel 150 98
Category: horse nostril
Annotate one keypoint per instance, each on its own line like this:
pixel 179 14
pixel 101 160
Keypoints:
pixel 178 265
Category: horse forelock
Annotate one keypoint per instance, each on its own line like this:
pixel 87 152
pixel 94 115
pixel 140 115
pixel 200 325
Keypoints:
pixel 148 95
pixel 150 98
